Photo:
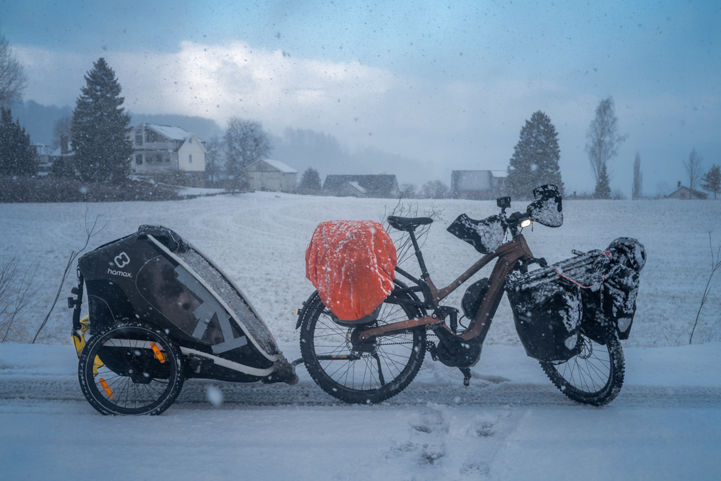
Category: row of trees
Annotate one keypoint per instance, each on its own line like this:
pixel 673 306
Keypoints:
pixel 17 156
pixel 536 155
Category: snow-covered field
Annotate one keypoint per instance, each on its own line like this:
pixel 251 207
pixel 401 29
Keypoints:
pixel 510 423
pixel 259 240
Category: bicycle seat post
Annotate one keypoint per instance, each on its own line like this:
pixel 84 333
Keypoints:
pixel 419 255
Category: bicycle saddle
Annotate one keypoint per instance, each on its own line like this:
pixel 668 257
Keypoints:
pixel 408 224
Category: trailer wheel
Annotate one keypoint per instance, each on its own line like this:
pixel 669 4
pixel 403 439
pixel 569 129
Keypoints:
pixel 130 368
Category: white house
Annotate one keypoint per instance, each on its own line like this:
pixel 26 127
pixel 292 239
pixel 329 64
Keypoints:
pixel 162 150
pixel 273 175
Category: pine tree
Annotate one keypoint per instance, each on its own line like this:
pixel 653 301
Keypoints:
pixel 17 156
pixel 535 157
pixel 100 128
pixel 637 178
pixel 309 181
pixel 712 180
pixel 603 187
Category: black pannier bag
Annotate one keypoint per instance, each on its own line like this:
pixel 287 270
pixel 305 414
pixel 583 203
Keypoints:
pixel 486 235
pixel 548 304
pixel 621 287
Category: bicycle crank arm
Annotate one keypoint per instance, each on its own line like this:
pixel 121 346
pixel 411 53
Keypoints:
pixel 396 327
pixel 338 357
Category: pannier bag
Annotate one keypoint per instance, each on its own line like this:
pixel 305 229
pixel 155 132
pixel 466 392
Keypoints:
pixel 548 304
pixel 352 265
pixel 621 287
pixel 486 235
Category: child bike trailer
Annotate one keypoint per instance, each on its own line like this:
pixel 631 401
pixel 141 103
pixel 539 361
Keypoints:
pixel 161 312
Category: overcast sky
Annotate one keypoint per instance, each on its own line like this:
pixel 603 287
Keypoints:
pixel 449 84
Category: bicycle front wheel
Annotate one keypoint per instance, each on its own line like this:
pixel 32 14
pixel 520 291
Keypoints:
pixel 130 368
pixel 360 374
pixel 594 375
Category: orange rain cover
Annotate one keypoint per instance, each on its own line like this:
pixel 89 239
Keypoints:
pixel 352 264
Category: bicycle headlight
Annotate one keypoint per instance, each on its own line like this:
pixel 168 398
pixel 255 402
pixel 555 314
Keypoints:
pixel 525 223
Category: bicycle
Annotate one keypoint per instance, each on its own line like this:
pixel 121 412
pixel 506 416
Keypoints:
pixel 376 359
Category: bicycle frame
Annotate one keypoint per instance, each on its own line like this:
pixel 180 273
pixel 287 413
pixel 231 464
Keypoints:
pixel 507 256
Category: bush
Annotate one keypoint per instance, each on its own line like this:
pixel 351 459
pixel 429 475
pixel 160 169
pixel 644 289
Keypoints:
pixel 53 189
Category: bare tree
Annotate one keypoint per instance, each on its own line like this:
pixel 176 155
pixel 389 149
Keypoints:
pixel 246 142
pixel 637 178
pixel 15 292
pixel 434 189
pixel 715 266
pixel 62 132
pixel 213 159
pixel 693 168
pixel 603 141
pixel 90 231
pixel 12 76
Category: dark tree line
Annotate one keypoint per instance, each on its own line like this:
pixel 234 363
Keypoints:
pixel 17 156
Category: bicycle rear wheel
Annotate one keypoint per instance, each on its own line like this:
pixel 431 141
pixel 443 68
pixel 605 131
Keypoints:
pixel 130 368
pixel 360 374
pixel 594 375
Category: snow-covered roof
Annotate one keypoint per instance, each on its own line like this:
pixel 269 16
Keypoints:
pixel 173 133
pixel 357 186
pixel 285 168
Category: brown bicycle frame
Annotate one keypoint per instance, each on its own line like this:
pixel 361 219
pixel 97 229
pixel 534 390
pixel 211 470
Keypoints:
pixel 507 254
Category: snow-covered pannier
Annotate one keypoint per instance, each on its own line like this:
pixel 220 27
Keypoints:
pixel 156 277
pixel 352 265
pixel 486 235
pixel 549 304
pixel 621 287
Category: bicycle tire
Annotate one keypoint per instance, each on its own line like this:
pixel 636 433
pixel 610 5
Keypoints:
pixel 130 368
pixel 590 377
pixel 360 380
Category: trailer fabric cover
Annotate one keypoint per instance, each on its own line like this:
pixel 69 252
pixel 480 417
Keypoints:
pixel 352 264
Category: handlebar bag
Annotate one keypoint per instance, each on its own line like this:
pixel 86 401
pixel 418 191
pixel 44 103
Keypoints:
pixel 352 265
pixel 486 235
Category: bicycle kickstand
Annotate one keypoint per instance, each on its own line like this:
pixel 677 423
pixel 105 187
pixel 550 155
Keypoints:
pixel 466 376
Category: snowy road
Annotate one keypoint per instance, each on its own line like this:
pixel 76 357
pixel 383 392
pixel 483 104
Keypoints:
pixel 511 423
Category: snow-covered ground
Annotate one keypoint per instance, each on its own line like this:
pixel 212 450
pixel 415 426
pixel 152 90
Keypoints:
pixel 511 423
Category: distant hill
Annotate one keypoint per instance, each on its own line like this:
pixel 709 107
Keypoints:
pixel 304 148
pixel 39 121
